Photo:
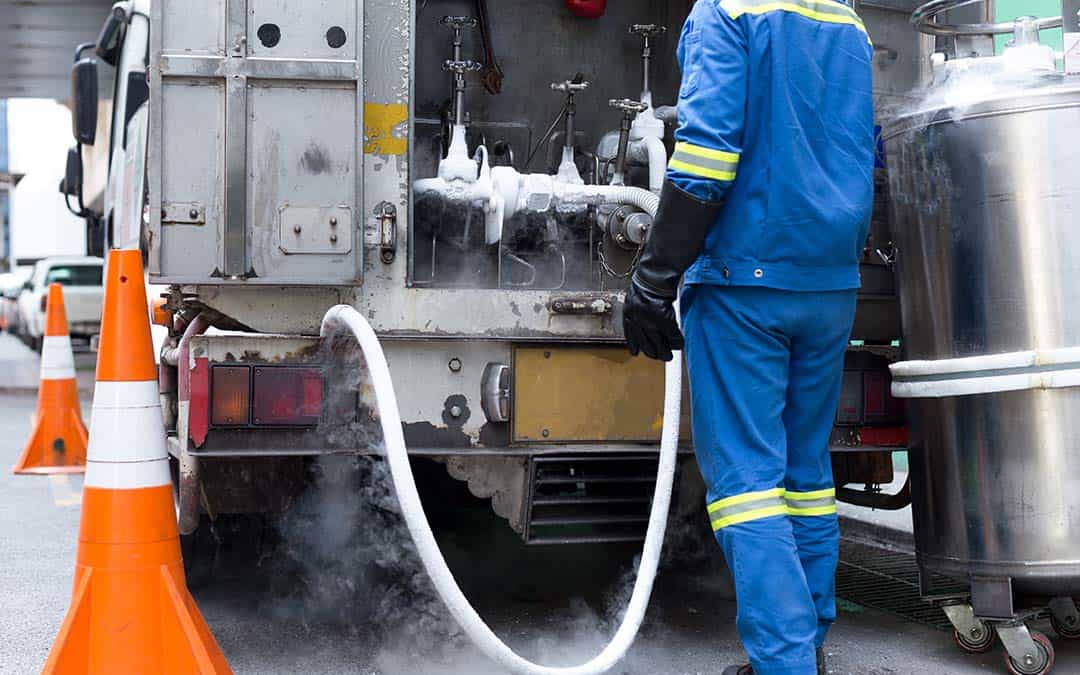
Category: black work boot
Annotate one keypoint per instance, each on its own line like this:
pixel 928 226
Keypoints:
pixel 748 670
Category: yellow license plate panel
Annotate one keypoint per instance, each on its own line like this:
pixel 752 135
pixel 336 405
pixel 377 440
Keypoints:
pixel 588 394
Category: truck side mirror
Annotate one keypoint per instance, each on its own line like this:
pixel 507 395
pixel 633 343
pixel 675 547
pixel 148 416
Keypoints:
pixel 84 98
pixel 72 183
pixel 108 42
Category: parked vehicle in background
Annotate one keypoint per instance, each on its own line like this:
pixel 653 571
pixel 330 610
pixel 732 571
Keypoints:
pixel 83 294
pixel 10 286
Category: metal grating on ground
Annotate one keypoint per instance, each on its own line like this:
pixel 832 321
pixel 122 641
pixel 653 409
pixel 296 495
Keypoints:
pixel 888 580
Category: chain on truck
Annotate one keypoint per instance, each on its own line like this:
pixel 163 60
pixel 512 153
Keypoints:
pixel 458 172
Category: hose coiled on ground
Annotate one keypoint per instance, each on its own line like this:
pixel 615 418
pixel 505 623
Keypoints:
pixel 345 316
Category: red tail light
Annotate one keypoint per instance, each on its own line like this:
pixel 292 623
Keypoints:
pixel 286 396
pixel 44 302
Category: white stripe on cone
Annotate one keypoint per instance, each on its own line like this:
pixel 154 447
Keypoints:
pixel 126 424
pixel 127 475
pixel 57 363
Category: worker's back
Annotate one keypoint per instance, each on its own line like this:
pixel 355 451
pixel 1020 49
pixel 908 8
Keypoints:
pixel 776 118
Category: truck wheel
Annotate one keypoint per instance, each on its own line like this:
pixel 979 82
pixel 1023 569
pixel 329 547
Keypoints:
pixel 1044 660
pixel 198 550
pixel 223 548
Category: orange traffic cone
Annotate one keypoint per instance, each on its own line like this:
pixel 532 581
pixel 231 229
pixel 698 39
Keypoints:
pixel 58 442
pixel 130 609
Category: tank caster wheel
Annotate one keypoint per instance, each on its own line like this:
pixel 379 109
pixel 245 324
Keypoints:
pixel 979 639
pixel 1067 627
pixel 1065 632
pixel 1043 662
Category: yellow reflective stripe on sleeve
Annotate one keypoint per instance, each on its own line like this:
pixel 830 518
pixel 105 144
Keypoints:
pixel 744 498
pixel 826 11
pixel 707 153
pixel 694 170
pixel 745 516
pixel 704 162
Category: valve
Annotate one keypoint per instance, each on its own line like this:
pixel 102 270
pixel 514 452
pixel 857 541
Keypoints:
pixel 571 88
pixel 647 32
pixel 458 24
pixel 457 65
pixel 462 67
pixel 630 110
pixel 629 106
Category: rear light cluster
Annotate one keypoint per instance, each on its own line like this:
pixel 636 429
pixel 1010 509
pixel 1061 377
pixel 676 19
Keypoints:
pixel 866 399
pixel 265 396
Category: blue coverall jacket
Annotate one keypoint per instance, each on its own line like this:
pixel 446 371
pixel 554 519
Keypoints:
pixel 775 121
pixel 776 118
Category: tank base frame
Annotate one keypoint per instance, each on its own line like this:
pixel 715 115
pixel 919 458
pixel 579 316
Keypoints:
pixel 1027 652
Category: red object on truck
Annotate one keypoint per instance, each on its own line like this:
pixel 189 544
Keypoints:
pixel 587 9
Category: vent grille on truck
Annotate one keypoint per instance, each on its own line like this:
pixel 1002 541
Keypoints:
pixel 589 499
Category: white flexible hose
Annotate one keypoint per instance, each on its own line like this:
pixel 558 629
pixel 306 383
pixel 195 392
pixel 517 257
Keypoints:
pixel 413 511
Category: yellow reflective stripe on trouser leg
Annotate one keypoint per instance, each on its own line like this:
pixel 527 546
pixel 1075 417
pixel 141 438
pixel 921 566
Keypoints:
pixel 746 507
pixel 704 162
pixel 816 503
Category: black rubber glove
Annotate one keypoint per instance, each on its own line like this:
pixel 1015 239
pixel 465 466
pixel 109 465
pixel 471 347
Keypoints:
pixel 676 239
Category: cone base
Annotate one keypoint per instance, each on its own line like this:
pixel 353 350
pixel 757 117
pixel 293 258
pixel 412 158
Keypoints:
pixel 54 428
pixel 134 621
pixel 48 470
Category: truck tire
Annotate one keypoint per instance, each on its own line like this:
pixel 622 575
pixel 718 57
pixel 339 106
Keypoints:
pixel 226 547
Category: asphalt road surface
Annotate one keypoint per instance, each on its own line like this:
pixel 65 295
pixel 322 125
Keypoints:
pixel 311 605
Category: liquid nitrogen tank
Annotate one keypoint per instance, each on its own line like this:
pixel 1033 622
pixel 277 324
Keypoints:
pixel 984 171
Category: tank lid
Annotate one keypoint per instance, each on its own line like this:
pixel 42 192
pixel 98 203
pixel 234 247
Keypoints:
pixel 1022 78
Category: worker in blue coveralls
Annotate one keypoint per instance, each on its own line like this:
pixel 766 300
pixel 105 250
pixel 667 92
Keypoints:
pixel 763 217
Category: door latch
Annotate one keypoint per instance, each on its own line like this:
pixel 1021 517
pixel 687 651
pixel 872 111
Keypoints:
pixel 386 214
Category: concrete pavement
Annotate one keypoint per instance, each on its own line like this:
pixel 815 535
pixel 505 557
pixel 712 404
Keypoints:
pixel 558 605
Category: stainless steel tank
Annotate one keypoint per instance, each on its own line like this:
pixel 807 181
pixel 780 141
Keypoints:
pixel 985 181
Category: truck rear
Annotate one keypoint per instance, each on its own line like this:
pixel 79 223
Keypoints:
pixel 419 162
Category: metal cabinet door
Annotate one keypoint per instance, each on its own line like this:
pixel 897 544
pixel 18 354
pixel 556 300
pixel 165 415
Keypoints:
pixel 255 156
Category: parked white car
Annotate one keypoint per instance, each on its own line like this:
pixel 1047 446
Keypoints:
pixel 81 277
pixel 10 286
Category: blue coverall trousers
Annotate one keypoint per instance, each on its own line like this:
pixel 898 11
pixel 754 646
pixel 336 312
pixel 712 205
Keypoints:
pixel 765 368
